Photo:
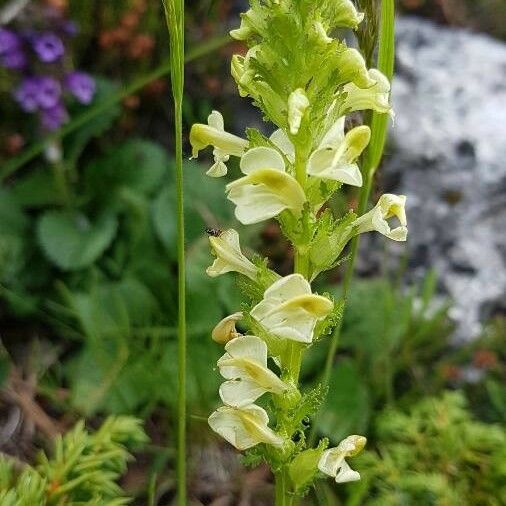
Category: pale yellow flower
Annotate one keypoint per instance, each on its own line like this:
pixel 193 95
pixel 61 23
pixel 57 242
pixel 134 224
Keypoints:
pixel 336 156
pixel 229 257
pixel 244 427
pixel 376 219
pixel 214 134
pixel 266 190
pixel 333 463
pixel 245 366
pixel 290 310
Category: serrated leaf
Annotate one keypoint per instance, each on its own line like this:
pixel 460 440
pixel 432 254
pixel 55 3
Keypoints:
pixel 71 241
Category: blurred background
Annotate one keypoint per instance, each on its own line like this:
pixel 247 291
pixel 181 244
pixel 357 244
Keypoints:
pixel 88 263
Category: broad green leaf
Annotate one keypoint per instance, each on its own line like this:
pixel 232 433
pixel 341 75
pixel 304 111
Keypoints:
pixel 72 241
pixel 346 410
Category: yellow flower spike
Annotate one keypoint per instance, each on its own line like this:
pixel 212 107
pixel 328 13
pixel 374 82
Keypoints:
pixel 225 330
pixel 388 206
pixel 229 257
pixel 214 134
pixel 266 190
pixel 245 366
pixel 333 463
pixel 289 310
pixel 244 427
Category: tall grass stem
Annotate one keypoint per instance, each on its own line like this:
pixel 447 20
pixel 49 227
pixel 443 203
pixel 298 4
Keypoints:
pixel 174 11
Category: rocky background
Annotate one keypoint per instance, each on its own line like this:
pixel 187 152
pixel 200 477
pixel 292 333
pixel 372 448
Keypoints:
pixel 446 153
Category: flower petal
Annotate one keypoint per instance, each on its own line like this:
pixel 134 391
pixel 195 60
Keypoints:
pixel 219 169
pixel 261 158
pixel 225 329
pixel 229 257
pixel 281 140
pixel 264 194
pixel 244 427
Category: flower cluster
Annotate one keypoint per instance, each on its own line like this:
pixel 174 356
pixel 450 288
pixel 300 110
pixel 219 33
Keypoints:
pixel 38 60
pixel 306 83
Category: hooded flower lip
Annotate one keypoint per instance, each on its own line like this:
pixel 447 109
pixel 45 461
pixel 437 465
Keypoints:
pixel 289 310
pixel 352 68
pixel 282 142
pixel 266 190
pixel 245 366
pixel 375 97
pixel 214 134
pixel 244 427
pixel 225 330
pixel 333 463
pixel 388 206
pixel 229 257
pixel 335 157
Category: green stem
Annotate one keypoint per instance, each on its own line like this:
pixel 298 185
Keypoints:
pixel 295 350
pixel 90 114
pixel 174 10
pixel 372 159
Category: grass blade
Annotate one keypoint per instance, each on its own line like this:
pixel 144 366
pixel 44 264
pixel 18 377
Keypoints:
pixel 174 12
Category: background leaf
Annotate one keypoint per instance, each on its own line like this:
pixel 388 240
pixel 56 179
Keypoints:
pixel 71 241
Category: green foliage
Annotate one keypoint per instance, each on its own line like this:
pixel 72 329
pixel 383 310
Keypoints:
pixel 304 467
pixel 347 408
pixel 71 241
pixel 433 454
pixel 84 468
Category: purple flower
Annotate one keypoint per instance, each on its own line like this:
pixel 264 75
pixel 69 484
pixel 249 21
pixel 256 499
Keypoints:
pixel 27 94
pixel 81 85
pixel 53 118
pixel 9 41
pixel 15 60
pixel 49 47
pixel 49 92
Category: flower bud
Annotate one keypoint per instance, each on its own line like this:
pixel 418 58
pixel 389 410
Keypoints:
pixel 225 330
pixel 297 106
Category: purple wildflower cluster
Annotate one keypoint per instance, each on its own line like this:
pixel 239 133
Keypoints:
pixel 37 59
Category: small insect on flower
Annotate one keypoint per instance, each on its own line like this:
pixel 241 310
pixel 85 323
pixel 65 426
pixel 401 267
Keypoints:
pixel 214 232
